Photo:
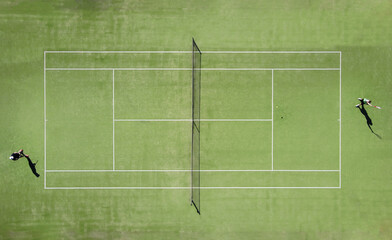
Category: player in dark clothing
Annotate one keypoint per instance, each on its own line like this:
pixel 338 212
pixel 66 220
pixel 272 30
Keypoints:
pixel 16 155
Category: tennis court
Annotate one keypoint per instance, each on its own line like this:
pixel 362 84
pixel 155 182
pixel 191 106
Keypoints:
pixel 129 117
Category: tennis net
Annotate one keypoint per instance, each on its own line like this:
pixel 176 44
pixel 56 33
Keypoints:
pixel 195 158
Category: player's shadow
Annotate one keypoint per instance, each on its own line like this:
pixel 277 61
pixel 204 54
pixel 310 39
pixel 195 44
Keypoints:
pixel 32 166
pixel 368 120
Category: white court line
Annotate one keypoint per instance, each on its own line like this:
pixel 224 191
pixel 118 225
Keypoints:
pixel 340 120
pixel 119 69
pixel 190 120
pixel 272 122
pixel 269 69
pixel 114 161
pixel 187 188
pixel 268 52
pixel 188 170
pixel 45 120
pixel 190 69
pixel 89 52
pixel 187 52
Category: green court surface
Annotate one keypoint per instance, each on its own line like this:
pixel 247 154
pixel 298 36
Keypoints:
pixel 137 120
pixel 100 93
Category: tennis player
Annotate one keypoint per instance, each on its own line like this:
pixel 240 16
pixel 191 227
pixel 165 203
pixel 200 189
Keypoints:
pixel 364 101
pixel 16 155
